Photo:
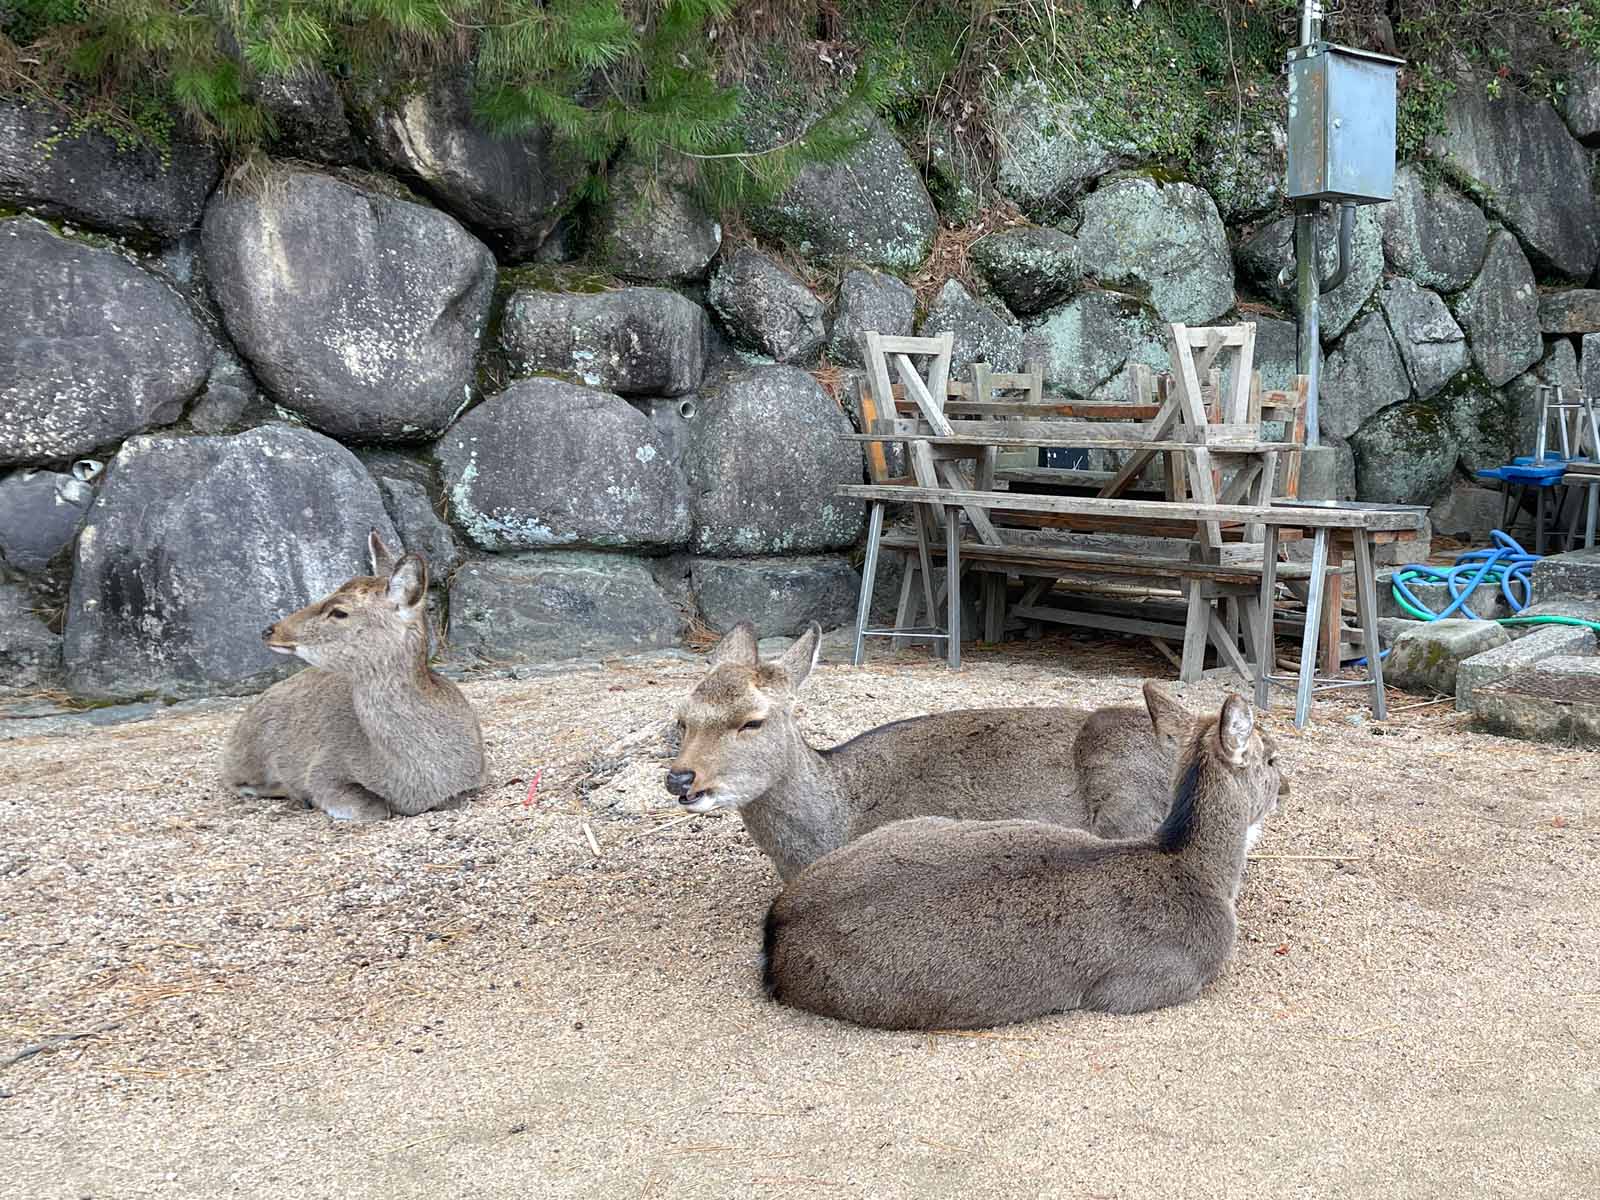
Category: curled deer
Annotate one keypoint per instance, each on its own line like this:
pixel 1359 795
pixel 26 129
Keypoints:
pixel 368 729
pixel 1109 770
pixel 939 924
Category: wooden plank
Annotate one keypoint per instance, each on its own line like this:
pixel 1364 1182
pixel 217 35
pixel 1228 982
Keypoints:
pixel 1063 616
pixel 1237 408
pixel 910 345
pixel 1109 410
pixel 1023 443
pixel 1228 335
pixel 1054 477
pixel 1093 561
pixel 877 454
pixel 1060 433
pixel 1299 516
pixel 1186 385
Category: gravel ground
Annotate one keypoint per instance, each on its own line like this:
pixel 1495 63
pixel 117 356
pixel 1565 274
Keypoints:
pixel 475 1003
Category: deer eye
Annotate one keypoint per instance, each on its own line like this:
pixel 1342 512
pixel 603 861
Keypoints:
pixel 338 614
pixel 748 726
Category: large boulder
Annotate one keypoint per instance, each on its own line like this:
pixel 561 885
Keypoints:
pixel 1484 422
pixel 170 599
pixel 1048 151
pixel 544 607
pixel 1365 374
pixel 1268 252
pixel 1432 232
pixel 512 190
pixel 1030 267
pixel 766 307
pixel 1581 105
pixel 869 302
pixel 1575 310
pixel 1590 370
pixel 868 207
pixel 92 348
pixel 419 527
pixel 547 463
pixel 1405 455
pixel 30 655
pixel 1244 169
pixel 767 454
pixel 40 512
pixel 1085 342
pixel 1467 513
pixel 87 176
pixel 1500 312
pixel 1432 344
pixel 1163 239
pixel 1559 366
pixel 1277 354
pixel 357 311
pixel 955 174
pixel 780 595
pixel 652 228
pixel 981 334
pixel 1533 174
pixel 635 341
pixel 308 117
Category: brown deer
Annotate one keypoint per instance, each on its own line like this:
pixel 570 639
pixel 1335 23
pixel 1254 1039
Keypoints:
pixel 367 729
pixel 940 924
pixel 740 747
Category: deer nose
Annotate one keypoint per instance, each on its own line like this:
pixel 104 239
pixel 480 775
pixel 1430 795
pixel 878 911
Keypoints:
pixel 679 782
pixel 266 634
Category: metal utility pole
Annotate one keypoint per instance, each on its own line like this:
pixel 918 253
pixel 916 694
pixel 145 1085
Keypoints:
pixel 1341 150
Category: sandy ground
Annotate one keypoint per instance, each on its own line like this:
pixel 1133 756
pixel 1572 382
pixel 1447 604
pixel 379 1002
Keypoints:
pixel 476 1004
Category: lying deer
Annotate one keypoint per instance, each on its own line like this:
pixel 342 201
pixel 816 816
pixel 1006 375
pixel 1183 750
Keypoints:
pixel 1109 771
pixel 939 924
pixel 367 729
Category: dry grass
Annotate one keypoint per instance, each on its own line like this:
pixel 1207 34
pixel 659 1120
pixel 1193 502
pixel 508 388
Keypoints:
pixel 236 998
pixel 949 258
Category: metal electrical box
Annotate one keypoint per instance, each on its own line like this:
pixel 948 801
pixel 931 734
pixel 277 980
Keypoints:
pixel 1341 124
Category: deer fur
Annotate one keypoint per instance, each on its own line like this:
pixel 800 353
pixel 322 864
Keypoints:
pixel 933 923
pixel 741 747
pixel 368 729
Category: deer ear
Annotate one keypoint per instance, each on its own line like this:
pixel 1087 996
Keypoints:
pixel 738 646
pixel 409 582
pixel 794 665
pixel 381 557
pixel 1168 718
pixel 1234 727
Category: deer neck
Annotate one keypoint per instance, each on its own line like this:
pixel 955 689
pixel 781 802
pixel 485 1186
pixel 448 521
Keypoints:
pixel 1214 854
pixel 397 701
pixel 802 816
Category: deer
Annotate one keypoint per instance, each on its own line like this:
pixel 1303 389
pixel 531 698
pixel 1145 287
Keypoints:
pixel 368 729
pixel 741 747
pixel 932 923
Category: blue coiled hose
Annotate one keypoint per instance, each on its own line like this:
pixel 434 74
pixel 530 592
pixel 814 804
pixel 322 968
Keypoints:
pixel 1504 562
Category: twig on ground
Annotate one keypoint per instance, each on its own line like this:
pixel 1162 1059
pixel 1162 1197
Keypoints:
pixel 55 1043
pixel 589 834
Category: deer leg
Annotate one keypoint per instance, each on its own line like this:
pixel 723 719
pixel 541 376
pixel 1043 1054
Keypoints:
pixel 350 802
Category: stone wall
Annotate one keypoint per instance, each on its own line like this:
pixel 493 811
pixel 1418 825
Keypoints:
pixel 603 424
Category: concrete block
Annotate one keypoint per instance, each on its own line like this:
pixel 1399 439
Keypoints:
pixel 1555 700
pixel 1486 600
pixel 1576 573
pixel 1427 657
pixel 1572 606
pixel 1544 642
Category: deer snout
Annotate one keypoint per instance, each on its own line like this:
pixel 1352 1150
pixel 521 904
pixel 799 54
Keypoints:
pixel 267 633
pixel 680 783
